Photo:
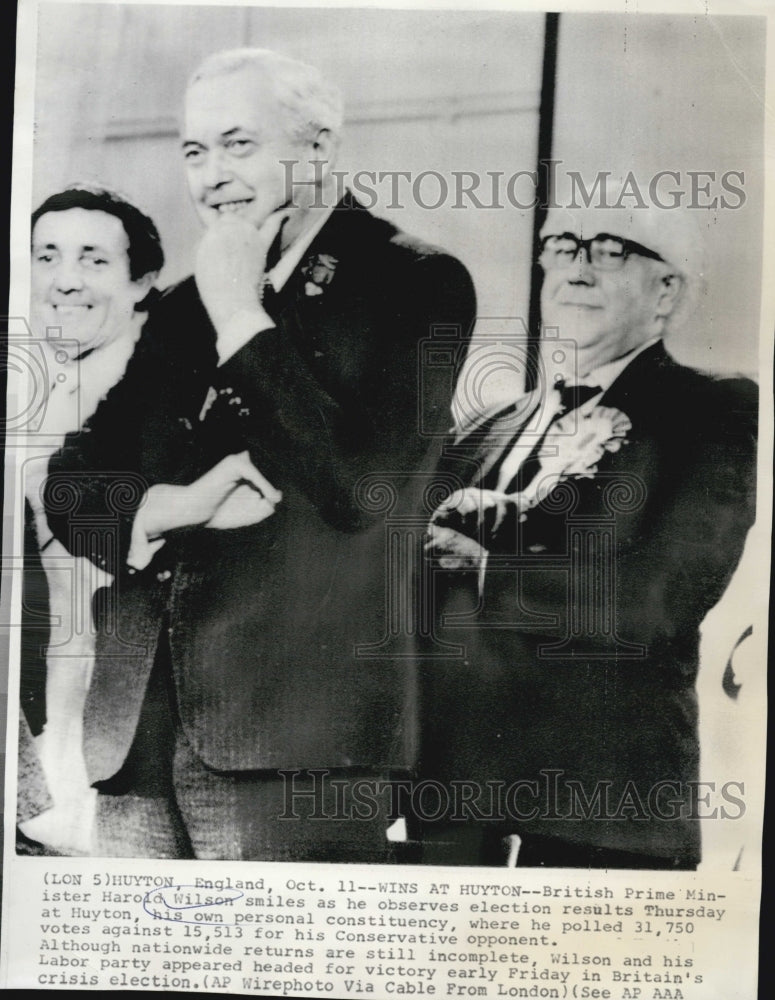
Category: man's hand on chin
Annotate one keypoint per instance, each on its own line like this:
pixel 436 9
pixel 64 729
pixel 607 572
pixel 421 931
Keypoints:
pixel 232 494
pixel 229 269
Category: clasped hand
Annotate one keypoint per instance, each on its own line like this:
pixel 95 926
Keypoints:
pixel 464 509
pixel 473 500
pixel 233 494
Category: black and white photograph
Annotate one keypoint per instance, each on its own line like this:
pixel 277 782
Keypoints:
pixel 387 495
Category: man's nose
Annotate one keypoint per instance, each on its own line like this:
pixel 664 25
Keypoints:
pixel 215 170
pixel 581 269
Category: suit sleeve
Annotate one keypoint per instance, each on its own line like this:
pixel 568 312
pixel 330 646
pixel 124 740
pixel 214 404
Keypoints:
pixel 136 437
pixel 324 438
pixel 671 578
pixel 674 566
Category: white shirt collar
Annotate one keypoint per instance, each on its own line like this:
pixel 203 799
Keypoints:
pixel 606 374
pixel 290 260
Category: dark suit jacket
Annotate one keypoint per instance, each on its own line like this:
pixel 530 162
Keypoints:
pixel 342 410
pixel 582 652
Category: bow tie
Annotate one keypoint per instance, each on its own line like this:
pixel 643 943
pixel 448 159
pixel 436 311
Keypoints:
pixel 573 396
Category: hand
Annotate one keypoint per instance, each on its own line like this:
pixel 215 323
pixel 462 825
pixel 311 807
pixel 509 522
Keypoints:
pixel 230 263
pixel 243 506
pixel 454 550
pixel 208 492
pixel 168 507
pixel 472 500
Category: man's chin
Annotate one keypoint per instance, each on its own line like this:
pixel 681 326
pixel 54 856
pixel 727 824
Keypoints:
pixel 581 327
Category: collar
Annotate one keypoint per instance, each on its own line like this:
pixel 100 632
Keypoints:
pixel 605 375
pixel 291 259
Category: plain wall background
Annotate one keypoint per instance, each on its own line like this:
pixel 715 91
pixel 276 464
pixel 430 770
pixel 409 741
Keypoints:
pixel 445 91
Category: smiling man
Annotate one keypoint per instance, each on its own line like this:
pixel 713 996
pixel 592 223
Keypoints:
pixel 599 529
pixel 273 404
pixel 610 294
pixel 238 162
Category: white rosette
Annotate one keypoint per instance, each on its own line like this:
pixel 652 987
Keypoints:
pixel 573 448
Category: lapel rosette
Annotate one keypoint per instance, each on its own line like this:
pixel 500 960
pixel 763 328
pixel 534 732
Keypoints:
pixel 571 449
pixel 318 271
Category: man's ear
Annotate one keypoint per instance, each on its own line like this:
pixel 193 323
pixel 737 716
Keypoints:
pixel 670 288
pixel 324 149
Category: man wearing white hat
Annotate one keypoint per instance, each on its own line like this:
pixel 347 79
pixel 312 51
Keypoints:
pixel 606 513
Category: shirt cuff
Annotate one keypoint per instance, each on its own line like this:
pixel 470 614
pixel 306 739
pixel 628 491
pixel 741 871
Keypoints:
pixel 242 327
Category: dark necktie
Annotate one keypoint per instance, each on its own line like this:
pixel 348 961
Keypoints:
pixel 269 297
pixel 571 397
pixel 274 253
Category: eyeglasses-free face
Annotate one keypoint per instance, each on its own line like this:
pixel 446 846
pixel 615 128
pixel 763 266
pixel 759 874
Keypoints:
pixel 604 252
pixel 81 277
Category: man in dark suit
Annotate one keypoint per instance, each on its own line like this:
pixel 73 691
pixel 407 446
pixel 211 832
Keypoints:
pixel 274 415
pixel 606 512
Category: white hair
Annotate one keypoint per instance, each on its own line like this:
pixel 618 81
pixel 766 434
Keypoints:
pixel 307 102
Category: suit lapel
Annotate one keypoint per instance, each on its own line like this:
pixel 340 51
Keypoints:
pixel 339 250
pixel 635 391
pixel 345 233
pixel 484 447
